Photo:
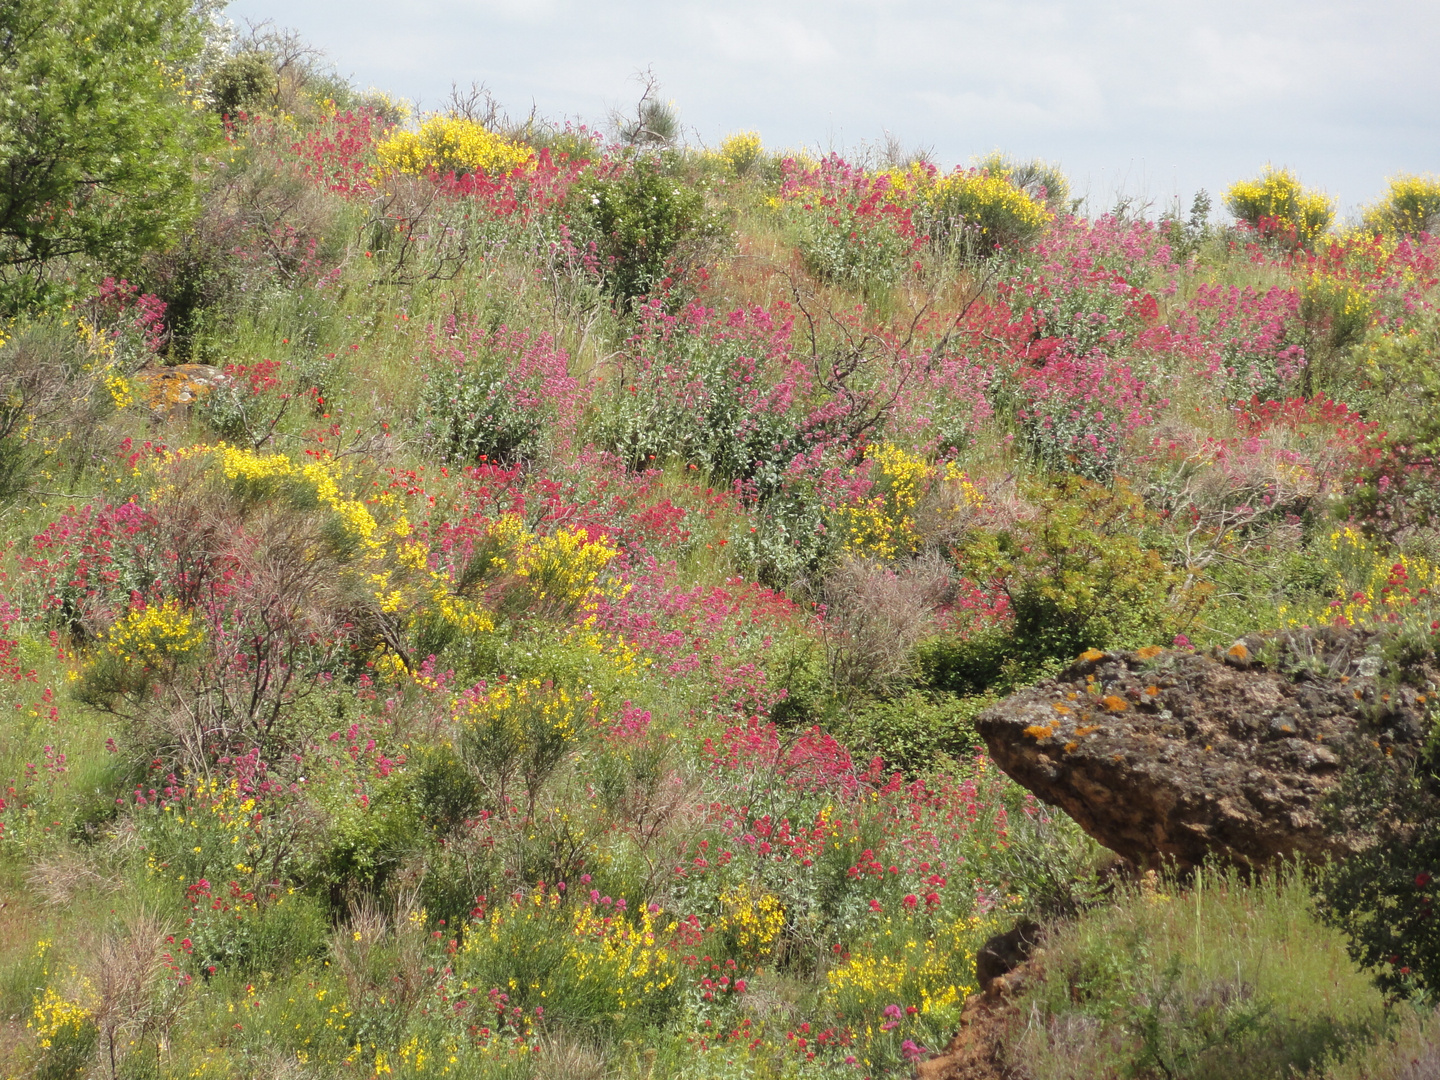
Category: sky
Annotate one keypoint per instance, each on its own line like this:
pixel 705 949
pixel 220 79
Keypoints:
pixel 1144 99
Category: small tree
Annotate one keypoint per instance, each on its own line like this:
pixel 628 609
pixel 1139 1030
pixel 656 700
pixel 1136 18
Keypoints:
pixel 97 134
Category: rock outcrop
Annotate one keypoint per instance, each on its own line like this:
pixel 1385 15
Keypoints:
pixel 1172 756
pixel 167 390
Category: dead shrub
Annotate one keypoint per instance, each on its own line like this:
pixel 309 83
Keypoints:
pixel 874 616
pixel 136 1003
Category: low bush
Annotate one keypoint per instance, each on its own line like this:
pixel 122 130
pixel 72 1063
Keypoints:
pixel 1409 207
pixel 911 733
pixel 647 225
pixel 1276 206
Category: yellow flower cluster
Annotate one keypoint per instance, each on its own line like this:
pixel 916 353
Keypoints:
pixel 883 526
pixel 620 953
pixel 153 635
pixel 741 151
pixel 526 711
pixel 446 144
pixel 1411 205
pixel 1276 201
pixel 121 392
pixel 1370 585
pixel 57 1019
pixel 753 919
pixel 988 203
pixel 562 569
pixel 266 474
pixel 903 965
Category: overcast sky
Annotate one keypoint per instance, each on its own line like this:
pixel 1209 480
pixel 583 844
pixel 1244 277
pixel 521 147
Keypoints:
pixel 1151 98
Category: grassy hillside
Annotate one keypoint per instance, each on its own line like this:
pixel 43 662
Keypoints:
pixel 484 599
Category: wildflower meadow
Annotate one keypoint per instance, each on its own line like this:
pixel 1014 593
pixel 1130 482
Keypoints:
pixel 497 598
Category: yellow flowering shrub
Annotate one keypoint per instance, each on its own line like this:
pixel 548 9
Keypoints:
pixel 883 525
pixel 260 476
pixel 752 920
pixel 155 635
pixel 561 570
pixel 1275 204
pixel 57 1020
pixel 1339 309
pixel 983 207
pixel 519 730
pixel 1411 205
pixel 446 144
pixel 742 151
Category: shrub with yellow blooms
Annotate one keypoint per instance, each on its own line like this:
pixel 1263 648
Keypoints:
pixel 1276 205
pixel 882 525
pixel 742 152
pixel 451 144
pixel 519 730
pixel 1410 206
pixel 979 211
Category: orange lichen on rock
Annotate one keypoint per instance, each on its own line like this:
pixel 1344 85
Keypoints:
pixel 1114 703
pixel 1064 710
pixel 1039 731
pixel 1092 655
pixel 1238 651
pixel 1149 652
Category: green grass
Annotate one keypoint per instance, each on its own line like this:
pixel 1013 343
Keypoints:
pixel 1220 980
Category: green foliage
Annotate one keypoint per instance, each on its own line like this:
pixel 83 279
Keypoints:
pixel 982 660
pixel 1385 896
pixel 1078 575
pixel 473 412
pixel 446 792
pixel 645 222
pixel 245 82
pixel 858 247
pixel 97 135
pixel 1219 981
pixel 366 841
pixel 912 732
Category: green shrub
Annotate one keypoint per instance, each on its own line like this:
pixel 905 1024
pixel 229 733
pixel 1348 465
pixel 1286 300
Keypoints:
pixel 1078 575
pixel 1385 896
pixel 92 122
pixel 245 82
pixel 645 223
pixel 913 731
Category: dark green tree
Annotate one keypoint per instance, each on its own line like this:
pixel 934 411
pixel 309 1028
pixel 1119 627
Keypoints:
pixel 98 136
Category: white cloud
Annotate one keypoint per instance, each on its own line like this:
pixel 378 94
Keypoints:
pixel 1200 93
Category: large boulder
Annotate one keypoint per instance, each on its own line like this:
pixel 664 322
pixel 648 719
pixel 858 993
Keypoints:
pixel 1174 756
